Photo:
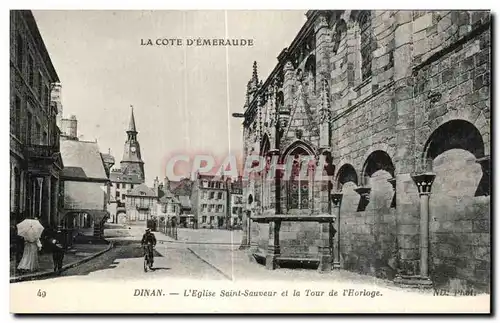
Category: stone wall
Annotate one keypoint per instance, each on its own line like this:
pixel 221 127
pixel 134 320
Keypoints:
pixel 369 238
pixel 424 108
pixel 299 239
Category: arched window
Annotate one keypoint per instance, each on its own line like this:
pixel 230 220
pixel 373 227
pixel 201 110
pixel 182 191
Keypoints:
pixel 280 100
pixel 346 174
pixel 266 182
pixel 366 44
pixel 310 72
pixel 298 183
pixel 340 30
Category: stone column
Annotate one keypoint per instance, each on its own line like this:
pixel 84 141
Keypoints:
pixel 245 243
pixel 39 192
pixel 273 247
pixel 288 83
pixel 337 202
pixel 325 246
pixel 402 102
pixel 323 46
pixel 254 230
pixel 47 200
pixel 424 183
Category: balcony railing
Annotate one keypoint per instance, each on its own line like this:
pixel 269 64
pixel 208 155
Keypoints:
pixel 142 207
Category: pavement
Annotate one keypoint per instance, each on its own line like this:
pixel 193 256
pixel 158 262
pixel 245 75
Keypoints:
pixel 220 249
pixel 78 254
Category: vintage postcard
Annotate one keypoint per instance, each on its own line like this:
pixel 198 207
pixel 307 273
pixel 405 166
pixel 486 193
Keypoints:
pixel 250 161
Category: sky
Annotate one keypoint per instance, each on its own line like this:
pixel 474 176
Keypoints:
pixel 183 97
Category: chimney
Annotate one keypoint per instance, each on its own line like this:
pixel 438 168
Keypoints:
pixel 166 183
pixel 69 127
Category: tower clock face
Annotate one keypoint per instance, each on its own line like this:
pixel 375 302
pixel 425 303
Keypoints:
pixel 132 149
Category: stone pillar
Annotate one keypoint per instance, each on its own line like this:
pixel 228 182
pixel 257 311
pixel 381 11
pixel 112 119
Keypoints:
pixel 337 202
pixel 288 83
pixel 39 196
pixel 402 103
pixel 273 247
pixel 47 200
pixel 254 231
pixel 325 246
pixel 245 243
pixel 323 47
pixel 424 184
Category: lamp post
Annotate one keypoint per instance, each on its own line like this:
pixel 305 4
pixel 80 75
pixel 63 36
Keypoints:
pixel 245 239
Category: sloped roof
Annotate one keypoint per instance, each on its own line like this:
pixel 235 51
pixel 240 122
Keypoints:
pixel 117 176
pixel 183 187
pixel 169 199
pixel 108 158
pixel 140 189
pixel 185 201
pixel 82 160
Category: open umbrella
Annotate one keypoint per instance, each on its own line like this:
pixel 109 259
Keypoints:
pixel 30 229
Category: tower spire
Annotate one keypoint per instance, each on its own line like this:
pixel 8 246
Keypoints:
pixel 255 76
pixel 131 125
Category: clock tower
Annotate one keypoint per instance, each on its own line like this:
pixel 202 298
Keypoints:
pixel 132 164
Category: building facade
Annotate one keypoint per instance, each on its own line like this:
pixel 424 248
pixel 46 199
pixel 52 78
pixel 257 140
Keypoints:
pixel 235 205
pixel 85 185
pixel 35 161
pixel 398 104
pixel 209 201
pixel 141 205
pixel 182 190
pixel 168 206
pixel 128 176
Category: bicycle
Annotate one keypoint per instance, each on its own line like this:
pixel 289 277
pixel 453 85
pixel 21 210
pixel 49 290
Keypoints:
pixel 148 257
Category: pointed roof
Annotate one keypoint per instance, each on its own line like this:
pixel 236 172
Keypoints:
pixel 131 125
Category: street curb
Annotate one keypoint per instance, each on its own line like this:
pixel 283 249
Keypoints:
pixel 64 268
pixel 210 264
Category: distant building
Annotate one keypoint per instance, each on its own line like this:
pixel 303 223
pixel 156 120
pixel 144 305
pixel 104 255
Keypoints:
pixel 209 201
pixel 85 186
pixel 186 216
pixel 35 162
pixel 130 174
pixel 174 201
pixel 168 205
pixel 236 205
pixel 140 204
pixel 69 127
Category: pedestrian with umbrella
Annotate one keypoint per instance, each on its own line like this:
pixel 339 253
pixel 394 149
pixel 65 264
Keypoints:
pixel 31 231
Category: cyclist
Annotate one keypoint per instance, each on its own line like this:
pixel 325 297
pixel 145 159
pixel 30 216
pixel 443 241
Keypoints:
pixel 149 241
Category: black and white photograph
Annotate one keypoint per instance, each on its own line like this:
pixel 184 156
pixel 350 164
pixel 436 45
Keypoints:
pixel 250 161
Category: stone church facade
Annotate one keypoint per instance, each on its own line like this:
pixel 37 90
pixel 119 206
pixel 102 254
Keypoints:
pixel 398 103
